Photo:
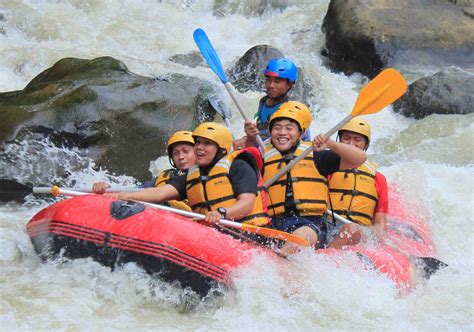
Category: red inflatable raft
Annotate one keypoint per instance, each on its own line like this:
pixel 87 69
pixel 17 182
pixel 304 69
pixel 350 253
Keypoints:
pixel 178 249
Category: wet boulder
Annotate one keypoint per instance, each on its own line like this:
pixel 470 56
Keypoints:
pixel 247 73
pixel 366 36
pixel 121 118
pixel 446 92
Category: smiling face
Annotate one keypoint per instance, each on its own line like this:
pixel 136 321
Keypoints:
pixel 276 86
pixel 183 155
pixel 284 133
pixel 205 150
pixel 354 139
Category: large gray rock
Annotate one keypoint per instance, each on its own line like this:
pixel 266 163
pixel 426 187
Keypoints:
pixel 366 36
pixel 121 118
pixel 446 92
pixel 247 73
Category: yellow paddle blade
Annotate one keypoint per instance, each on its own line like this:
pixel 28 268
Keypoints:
pixel 380 92
pixel 276 234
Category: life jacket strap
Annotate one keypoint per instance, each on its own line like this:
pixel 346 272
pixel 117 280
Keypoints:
pixel 212 202
pixel 350 214
pixel 353 193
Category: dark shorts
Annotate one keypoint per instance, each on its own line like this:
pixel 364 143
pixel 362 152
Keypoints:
pixel 290 223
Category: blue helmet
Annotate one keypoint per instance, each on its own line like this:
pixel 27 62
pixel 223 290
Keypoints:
pixel 283 68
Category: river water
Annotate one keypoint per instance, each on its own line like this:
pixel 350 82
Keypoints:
pixel 429 160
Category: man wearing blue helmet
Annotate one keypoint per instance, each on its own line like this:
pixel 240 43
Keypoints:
pixel 280 76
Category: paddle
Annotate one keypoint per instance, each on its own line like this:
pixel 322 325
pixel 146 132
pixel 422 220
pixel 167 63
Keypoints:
pixel 429 265
pixel 267 232
pixel 212 59
pixel 11 190
pixel 224 112
pixel 380 92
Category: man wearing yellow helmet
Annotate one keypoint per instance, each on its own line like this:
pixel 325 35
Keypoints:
pixel 222 184
pixel 180 150
pixel 297 200
pixel 358 194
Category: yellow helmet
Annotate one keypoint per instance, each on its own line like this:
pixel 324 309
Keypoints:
pixel 215 132
pixel 181 136
pixel 359 126
pixel 295 111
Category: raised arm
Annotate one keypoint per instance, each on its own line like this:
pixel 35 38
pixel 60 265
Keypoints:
pixel 351 157
pixel 152 195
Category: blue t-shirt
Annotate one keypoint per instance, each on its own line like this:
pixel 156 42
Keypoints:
pixel 266 112
pixel 263 115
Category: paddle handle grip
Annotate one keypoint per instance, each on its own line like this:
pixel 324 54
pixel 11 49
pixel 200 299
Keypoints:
pixel 231 92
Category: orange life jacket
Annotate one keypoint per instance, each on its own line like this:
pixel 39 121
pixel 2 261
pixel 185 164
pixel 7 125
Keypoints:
pixel 310 190
pixel 353 193
pixel 163 178
pixel 207 193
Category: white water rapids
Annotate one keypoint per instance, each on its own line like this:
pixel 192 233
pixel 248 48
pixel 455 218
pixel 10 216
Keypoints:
pixel 429 160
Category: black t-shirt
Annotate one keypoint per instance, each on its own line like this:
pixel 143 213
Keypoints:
pixel 327 162
pixel 242 176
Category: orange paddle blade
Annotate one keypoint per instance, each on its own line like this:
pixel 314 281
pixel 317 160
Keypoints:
pixel 380 92
pixel 276 234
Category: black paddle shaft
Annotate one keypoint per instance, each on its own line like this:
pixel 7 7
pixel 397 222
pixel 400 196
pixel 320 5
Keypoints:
pixel 11 190
pixel 427 266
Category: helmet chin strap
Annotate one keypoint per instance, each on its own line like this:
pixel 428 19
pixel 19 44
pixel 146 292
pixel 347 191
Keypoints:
pixel 292 149
pixel 172 162
pixel 220 153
